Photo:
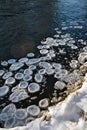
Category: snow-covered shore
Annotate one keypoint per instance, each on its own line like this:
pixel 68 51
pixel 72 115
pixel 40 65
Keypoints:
pixel 70 114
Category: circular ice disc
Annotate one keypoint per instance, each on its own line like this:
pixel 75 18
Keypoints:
pixel 33 87
pixel 33 110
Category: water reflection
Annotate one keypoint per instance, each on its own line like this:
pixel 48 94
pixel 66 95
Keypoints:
pixel 23 23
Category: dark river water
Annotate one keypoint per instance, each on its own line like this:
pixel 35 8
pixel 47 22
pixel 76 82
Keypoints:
pixel 24 23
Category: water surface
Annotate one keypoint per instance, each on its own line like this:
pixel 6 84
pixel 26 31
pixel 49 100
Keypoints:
pixel 24 23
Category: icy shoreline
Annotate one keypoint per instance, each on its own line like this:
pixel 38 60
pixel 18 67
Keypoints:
pixel 69 114
pixel 30 75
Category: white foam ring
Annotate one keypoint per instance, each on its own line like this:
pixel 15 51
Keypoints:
pixel 82 57
pixel 18 95
pixel 9 110
pixel 42 71
pixel 71 78
pixel 44 103
pixel 43 58
pixel 9 123
pixel 7 75
pixel 33 110
pixel 21 114
pixel 11 61
pixel 32 67
pixel 19 76
pixel 33 61
pixel 40 47
pixel 10 81
pixel 23 60
pixel 43 51
pixel 33 87
pixel 28 72
pixel 16 66
pixel 38 78
pixel 2 72
pixel 57 65
pixel 4 90
pixel 23 84
pixel 45 65
pixel 30 55
pixel 46 46
pixel 59 85
pixel 74 64
pixel 61 74
pixel 49 71
pixel 27 77
pixel 4 63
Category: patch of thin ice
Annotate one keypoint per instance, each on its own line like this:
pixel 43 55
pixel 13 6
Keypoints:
pixel 33 61
pixel 23 60
pixel 33 87
pixel 18 95
pixel 7 75
pixel 33 110
pixel 30 55
pixel 4 63
pixel 4 90
pixel 21 114
pixel 2 72
pixel 19 76
pixel 10 81
pixel 11 61
pixel 43 51
pixel 16 66
pixel 38 78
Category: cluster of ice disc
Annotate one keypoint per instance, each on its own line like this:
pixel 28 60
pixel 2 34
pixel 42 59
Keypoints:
pixel 25 77
pixel 12 117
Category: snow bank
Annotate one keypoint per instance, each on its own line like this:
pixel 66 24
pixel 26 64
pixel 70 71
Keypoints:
pixel 70 114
